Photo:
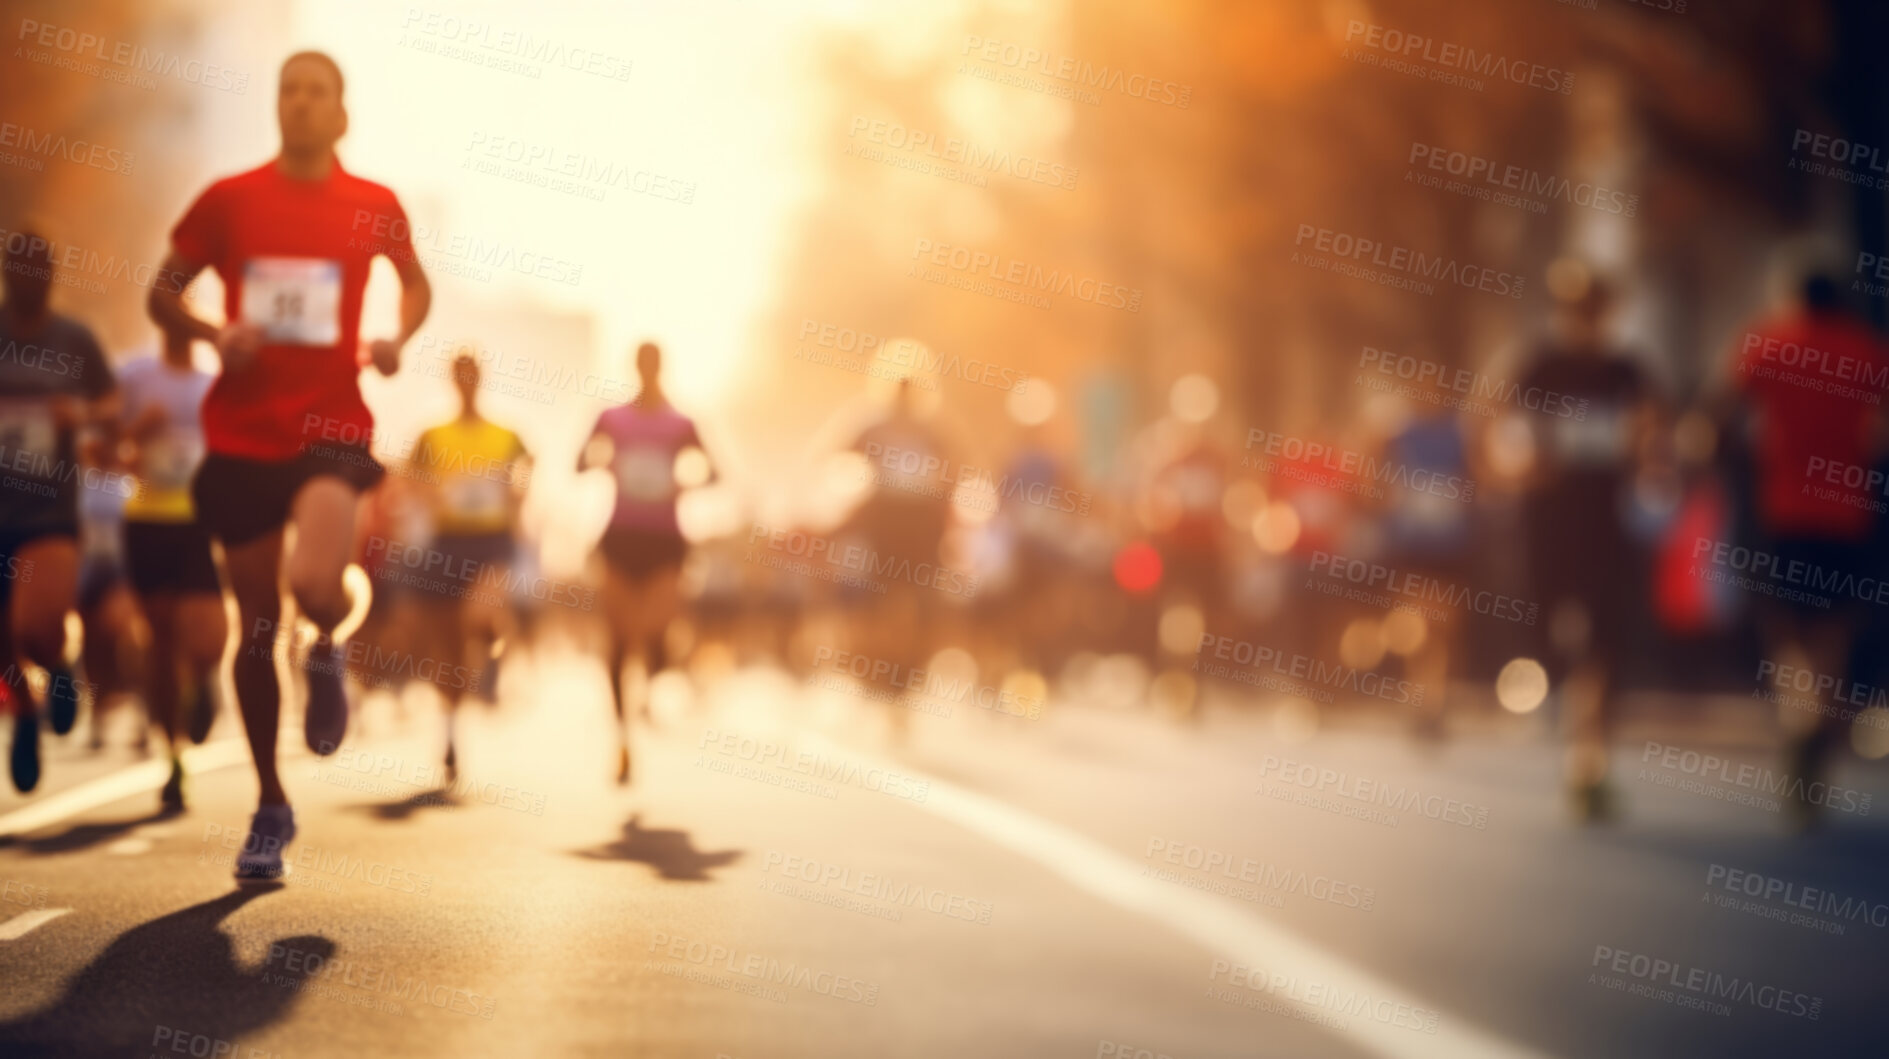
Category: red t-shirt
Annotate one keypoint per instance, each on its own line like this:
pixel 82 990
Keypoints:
pixel 1816 381
pixel 304 246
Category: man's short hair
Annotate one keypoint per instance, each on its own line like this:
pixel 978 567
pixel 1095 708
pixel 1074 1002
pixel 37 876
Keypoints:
pixel 324 59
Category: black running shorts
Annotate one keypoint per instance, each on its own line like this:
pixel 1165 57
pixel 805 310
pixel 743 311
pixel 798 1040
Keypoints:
pixel 239 500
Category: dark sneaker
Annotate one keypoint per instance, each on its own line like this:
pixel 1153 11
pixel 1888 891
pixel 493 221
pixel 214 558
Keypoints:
pixel 25 760
pixel 62 699
pixel 1803 761
pixel 325 720
pixel 487 689
pixel 1594 803
pixel 452 762
pixel 172 796
pixel 270 830
pixel 202 713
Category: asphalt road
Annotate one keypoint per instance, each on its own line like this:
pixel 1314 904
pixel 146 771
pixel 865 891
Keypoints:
pixel 786 879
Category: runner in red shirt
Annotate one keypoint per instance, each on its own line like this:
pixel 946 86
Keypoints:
pixel 286 429
pixel 1813 379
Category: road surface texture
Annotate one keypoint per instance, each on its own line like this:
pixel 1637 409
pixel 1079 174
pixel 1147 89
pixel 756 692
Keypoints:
pixel 788 879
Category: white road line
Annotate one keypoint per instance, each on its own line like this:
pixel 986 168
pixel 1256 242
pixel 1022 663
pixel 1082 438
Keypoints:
pixel 27 922
pixel 1216 923
pixel 137 779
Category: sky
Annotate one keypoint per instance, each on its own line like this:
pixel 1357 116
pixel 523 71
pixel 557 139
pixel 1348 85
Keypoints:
pixel 710 99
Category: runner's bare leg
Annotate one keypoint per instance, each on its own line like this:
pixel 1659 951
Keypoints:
pixel 255 574
pixel 323 516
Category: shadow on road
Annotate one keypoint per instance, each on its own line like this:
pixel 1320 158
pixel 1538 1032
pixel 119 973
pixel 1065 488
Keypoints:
pixel 441 798
pixel 671 853
pixel 178 973
pixel 83 836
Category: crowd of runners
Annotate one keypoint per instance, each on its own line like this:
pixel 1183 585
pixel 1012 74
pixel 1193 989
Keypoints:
pixel 142 495
pixel 191 515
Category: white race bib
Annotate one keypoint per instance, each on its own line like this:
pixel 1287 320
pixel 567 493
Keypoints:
pixel 295 300
pixel 1597 440
pixel 1433 512
pixel 471 497
pixel 28 436
pixel 907 470
pixel 171 458
pixel 646 475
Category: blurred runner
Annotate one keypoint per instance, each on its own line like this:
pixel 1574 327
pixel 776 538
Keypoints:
pixel 1806 420
pixel 285 426
pixel 903 521
pixel 1187 491
pixel 1586 568
pixel 54 379
pixel 1036 523
pixel 1188 520
pixel 168 551
pixel 395 510
pixel 113 633
pixel 643 547
pixel 1428 530
pixel 471 468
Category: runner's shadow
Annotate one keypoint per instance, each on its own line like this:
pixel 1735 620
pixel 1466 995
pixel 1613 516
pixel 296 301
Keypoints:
pixel 178 973
pixel 84 836
pixel 441 798
pixel 671 853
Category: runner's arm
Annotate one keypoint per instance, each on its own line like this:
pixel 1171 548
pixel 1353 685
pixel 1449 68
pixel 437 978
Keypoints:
pixel 166 304
pixel 236 342
pixel 714 468
pixel 416 300
pixel 518 480
pixel 416 296
pixel 587 454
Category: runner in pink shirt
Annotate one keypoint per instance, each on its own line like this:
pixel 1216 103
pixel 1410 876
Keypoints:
pixel 643 548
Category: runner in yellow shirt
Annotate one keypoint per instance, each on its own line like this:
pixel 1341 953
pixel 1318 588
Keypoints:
pixel 474 472
pixel 167 551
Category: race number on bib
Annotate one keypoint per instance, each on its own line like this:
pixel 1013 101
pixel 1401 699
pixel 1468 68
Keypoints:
pixel 1598 440
pixel 28 436
pixel 1197 488
pixel 1433 512
pixel 171 458
pixel 646 475
pixel 470 497
pixel 296 300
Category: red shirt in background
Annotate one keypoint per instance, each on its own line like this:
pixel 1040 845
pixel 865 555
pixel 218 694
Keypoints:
pixel 308 245
pixel 1817 381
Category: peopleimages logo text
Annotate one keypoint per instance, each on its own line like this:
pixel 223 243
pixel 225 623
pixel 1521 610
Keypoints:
pixel 1022 273
pixel 1347 462
pixel 132 59
pixel 1400 259
pixel 1420 586
pixel 1475 384
pixel 1215 651
pixel 1809 898
pixel 1749 777
pixel 1522 181
pixel 1795 573
pixel 1708 984
pixel 1451 56
pixel 1078 72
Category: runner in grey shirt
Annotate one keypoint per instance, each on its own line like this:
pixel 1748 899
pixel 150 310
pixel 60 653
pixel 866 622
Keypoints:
pixel 54 379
